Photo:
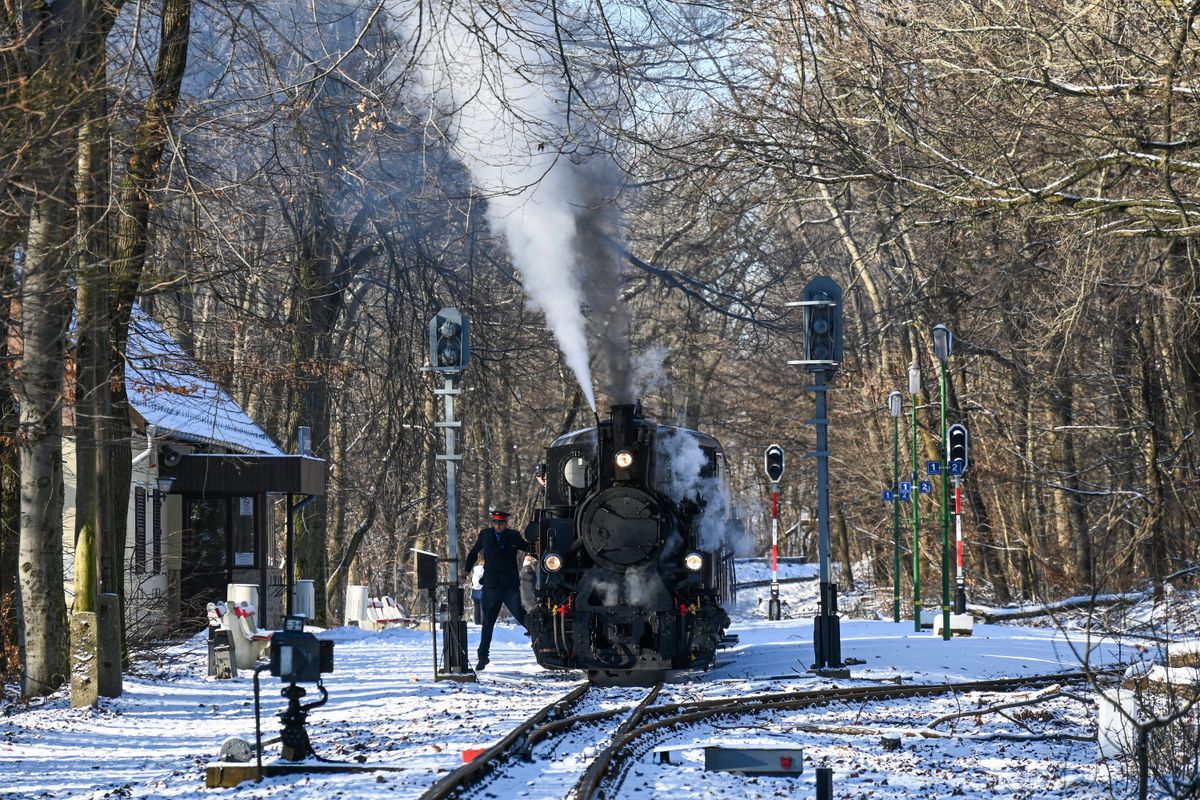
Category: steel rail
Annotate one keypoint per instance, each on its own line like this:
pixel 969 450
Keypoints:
pixel 474 770
pixel 609 760
pixel 520 741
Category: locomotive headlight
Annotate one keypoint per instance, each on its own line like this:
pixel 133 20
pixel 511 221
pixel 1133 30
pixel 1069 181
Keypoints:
pixel 552 562
pixel 624 459
pixel 693 561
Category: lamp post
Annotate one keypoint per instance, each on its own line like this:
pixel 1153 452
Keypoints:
pixel 914 388
pixel 943 344
pixel 895 405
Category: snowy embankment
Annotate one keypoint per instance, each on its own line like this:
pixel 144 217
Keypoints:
pixel 155 740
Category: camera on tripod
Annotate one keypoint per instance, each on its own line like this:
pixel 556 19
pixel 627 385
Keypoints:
pixel 297 656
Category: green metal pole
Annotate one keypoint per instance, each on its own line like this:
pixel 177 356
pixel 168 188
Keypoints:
pixel 895 519
pixel 916 569
pixel 945 519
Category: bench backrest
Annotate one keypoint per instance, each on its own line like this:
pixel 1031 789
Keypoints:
pixel 218 614
pixel 375 610
pixel 247 618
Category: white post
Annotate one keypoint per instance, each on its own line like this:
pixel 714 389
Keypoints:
pixel 774 609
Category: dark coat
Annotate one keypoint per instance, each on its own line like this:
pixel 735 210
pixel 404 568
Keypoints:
pixel 499 557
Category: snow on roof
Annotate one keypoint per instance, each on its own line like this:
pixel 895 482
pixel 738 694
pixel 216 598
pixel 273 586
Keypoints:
pixel 168 388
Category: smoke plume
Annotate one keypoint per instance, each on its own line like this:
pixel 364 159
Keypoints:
pixel 495 80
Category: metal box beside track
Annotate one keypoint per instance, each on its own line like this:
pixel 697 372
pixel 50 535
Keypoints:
pixel 754 760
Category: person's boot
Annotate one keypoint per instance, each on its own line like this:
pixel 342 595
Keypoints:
pixel 483 662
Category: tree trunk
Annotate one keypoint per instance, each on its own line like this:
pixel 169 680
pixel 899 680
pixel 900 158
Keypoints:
pixel 1152 534
pixel 92 391
pixel 128 262
pixel 45 311
pixel 10 476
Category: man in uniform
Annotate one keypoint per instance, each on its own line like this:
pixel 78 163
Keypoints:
pixel 501 584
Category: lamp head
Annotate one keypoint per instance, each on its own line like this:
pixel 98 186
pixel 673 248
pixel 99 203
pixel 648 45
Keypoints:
pixel 895 405
pixel 914 379
pixel 943 342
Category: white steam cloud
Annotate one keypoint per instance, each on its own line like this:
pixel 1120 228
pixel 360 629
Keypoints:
pixel 649 371
pixel 636 587
pixel 495 79
pixel 687 460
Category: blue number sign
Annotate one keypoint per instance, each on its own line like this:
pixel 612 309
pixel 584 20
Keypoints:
pixel 933 467
pixel 926 487
pixel 905 497
pixel 956 467
pixel 905 487
pixel 887 495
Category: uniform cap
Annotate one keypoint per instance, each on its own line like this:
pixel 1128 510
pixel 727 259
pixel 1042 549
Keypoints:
pixel 499 515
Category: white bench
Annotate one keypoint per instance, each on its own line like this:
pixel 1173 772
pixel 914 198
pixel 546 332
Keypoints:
pixel 250 642
pixel 394 612
pixel 384 612
pixel 216 614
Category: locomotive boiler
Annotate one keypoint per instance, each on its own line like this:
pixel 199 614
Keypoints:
pixel 632 542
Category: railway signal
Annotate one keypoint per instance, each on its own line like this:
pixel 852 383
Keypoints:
pixel 956 455
pixel 773 463
pixel 822 306
pixel 956 449
pixel 449 342
pixel 449 354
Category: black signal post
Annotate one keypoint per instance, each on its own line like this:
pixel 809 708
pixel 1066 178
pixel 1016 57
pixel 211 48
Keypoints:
pixel 449 354
pixel 822 306
pixel 773 463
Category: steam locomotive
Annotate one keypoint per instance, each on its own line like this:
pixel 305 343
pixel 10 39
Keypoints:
pixel 633 540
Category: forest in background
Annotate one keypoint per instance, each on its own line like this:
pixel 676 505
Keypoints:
pixel 274 184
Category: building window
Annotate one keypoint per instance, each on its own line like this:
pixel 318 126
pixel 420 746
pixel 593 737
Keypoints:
pixel 139 530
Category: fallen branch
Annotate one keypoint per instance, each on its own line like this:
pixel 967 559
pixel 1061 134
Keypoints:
pixel 1045 609
pixel 1037 697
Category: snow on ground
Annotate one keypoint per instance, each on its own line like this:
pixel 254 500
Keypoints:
pixel 384 707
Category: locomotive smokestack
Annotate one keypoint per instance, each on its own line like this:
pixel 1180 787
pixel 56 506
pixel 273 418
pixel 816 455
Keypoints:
pixel 624 430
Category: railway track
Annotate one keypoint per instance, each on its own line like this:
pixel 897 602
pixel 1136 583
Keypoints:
pixel 604 776
pixel 563 737
pixel 502 770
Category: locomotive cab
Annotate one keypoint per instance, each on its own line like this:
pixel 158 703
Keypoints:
pixel 632 559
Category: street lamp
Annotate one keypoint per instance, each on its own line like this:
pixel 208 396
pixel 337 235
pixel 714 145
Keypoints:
pixel 943 343
pixel 895 406
pixel 914 389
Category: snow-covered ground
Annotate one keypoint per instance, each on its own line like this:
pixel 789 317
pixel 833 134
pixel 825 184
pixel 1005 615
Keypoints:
pixel 384 707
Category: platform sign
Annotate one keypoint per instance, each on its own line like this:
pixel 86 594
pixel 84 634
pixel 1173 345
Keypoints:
pixel 933 467
pixel 888 496
pixel 926 487
pixel 956 467
pixel 905 487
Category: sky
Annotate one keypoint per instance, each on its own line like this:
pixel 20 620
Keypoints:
pixel 385 708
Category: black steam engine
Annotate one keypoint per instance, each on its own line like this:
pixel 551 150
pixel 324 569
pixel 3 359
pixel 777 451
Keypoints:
pixel 634 569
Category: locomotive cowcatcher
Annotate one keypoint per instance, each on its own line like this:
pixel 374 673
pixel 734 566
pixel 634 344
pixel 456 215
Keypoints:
pixel 631 541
